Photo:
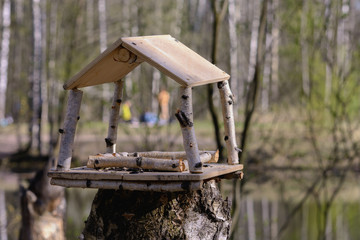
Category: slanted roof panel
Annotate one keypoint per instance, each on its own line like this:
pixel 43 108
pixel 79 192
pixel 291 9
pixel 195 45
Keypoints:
pixel 104 69
pixel 175 59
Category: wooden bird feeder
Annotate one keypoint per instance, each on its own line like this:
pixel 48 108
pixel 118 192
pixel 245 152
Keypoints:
pixel 160 171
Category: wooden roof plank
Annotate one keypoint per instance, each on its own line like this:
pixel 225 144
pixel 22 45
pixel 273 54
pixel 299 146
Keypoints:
pixel 103 69
pixel 175 60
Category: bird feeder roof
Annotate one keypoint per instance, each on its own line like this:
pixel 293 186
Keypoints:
pixel 164 52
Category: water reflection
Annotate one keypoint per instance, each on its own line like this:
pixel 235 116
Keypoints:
pixel 282 210
pixel 264 209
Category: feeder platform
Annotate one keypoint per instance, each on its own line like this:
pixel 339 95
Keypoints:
pixel 83 177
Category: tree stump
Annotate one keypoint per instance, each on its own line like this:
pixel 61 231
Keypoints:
pixel 120 214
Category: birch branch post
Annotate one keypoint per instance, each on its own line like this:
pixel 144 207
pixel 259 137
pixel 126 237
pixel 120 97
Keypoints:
pixel 227 102
pixel 68 132
pixel 185 118
pixel 114 118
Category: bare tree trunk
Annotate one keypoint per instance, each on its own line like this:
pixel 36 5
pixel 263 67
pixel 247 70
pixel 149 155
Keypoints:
pixel 119 214
pixel 90 21
pixel 236 84
pixel 4 55
pixel 178 18
pixel 251 98
pixel 36 80
pixel 103 45
pixel 53 84
pixel 218 15
pixel 253 41
pixel 275 52
pixel 304 50
pixel 265 90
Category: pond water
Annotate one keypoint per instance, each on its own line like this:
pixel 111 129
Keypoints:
pixel 278 205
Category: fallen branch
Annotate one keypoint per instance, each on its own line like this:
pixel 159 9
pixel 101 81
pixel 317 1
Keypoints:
pixel 115 160
pixel 205 156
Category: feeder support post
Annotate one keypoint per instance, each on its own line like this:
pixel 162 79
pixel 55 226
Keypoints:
pixel 227 103
pixel 68 132
pixel 185 118
pixel 114 117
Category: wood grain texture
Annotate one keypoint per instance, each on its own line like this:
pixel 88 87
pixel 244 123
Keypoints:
pixel 107 67
pixel 175 60
pixel 163 52
pixel 131 186
pixel 209 171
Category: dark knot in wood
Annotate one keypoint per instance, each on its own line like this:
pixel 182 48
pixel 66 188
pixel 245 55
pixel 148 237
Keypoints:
pixel 112 126
pixel 108 142
pixel 184 97
pixel 118 101
pixel 78 118
pixel 226 138
pixel 183 119
pixel 198 165
pixel 88 183
pixel 230 102
pixel 238 149
pixel 220 85
pixel 139 161
pixel 185 186
pixel 61 131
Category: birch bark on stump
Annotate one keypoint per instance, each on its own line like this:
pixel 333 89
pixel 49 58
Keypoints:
pixel 119 214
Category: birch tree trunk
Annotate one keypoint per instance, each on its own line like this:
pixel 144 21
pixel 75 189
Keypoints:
pixel 90 21
pixel 4 55
pixel 119 214
pixel 235 81
pixel 36 79
pixel 265 90
pixel 275 52
pixel 54 85
pixel 103 45
pixel 253 40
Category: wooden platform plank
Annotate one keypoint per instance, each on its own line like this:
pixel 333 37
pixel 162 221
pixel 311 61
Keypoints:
pixel 133 186
pixel 175 60
pixel 84 173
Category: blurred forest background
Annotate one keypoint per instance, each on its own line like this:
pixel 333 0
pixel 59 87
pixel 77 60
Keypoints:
pixel 295 74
